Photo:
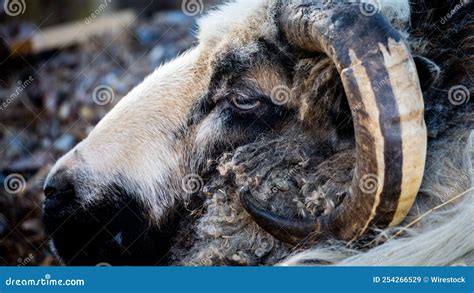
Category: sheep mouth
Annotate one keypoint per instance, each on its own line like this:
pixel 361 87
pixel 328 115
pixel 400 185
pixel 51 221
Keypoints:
pixel 111 233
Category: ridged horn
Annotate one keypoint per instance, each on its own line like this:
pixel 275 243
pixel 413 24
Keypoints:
pixel 384 93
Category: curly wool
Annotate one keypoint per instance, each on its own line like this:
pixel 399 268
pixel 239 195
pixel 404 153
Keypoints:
pixel 285 176
pixel 222 233
pixel 435 231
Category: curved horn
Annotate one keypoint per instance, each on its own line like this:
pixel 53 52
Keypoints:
pixel 383 89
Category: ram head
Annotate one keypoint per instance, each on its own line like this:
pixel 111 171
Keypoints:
pixel 291 124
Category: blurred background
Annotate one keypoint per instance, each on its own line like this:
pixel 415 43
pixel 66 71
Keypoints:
pixel 63 65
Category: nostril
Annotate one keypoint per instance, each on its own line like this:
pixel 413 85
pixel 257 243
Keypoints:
pixel 60 186
pixel 60 194
pixel 49 191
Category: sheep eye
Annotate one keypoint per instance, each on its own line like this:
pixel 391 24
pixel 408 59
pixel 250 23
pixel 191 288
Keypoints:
pixel 245 103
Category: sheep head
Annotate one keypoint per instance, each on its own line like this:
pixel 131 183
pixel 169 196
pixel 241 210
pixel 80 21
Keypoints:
pixel 301 72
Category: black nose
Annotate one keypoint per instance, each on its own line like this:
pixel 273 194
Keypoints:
pixel 60 186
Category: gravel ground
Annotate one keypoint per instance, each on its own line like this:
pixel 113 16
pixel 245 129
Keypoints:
pixel 49 103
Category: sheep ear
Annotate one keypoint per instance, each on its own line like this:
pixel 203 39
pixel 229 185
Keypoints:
pixel 428 71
